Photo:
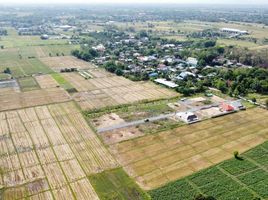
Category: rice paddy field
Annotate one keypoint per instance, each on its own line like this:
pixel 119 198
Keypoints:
pixel 62 62
pixel 46 81
pixel 245 179
pixel 12 99
pixel 47 152
pixel 106 90
pixel 154 160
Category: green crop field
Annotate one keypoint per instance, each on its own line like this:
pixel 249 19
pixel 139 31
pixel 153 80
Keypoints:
pixel 244 179
pixel 28 83
pixel 116 184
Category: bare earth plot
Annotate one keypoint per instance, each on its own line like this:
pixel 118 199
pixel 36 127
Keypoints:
pixel 62 62
pixel 111 90
pixel 154 160
pixel 47 152
pixel 15 100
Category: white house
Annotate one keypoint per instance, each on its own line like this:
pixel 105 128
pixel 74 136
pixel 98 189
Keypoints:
pixel 187 117
pixel 184 75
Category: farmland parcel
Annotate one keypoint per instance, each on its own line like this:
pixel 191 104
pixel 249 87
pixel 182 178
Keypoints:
pixel 47 152
pixel 154 160
pixel 230 180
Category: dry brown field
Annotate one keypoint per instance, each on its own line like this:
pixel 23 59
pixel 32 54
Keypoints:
pixel 112 90
pixel 47 152
pixel 15 100
pixel 46 81
pixel 62 62
pixel 154 160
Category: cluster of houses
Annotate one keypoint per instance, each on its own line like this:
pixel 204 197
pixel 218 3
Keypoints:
pixel 161 65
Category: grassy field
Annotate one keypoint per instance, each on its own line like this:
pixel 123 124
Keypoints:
pixel 166 29
pixel 53 50
pixel 28 83
pixel 233 179
pixel 137 111
pixel 234 42
pixel 13 40
pixel 116 184
pixel 154 160
pixel 23 67
pixel 9 58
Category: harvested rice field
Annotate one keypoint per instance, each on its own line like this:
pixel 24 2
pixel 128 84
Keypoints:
pixel 15 100
pixel 111 90
pixel 48 152
pixel 46 81
pixel 62 62
pixel 154 160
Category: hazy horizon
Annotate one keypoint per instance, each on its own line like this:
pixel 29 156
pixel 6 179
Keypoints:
pixel 232 2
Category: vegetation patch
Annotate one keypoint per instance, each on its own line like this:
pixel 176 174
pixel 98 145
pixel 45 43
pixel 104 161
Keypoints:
pixel 116 184
pixel 28 83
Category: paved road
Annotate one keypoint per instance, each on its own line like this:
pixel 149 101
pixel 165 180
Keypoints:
pixel 135 123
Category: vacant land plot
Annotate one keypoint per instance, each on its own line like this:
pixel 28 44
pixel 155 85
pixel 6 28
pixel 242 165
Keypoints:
pixel 157 159
pixel 49 149
pixel 62 62
pixel 106 91
pixel 116 184
pixel 232 179
pixel 15 100
pixel 28 84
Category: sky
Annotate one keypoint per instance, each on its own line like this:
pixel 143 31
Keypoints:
pixel 260 2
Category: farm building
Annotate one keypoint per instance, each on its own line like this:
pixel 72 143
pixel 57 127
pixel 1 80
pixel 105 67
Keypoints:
pixel 234 31
pixel 226 107
pixel 187 116
pixel 169 84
